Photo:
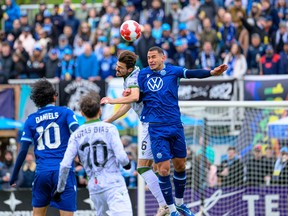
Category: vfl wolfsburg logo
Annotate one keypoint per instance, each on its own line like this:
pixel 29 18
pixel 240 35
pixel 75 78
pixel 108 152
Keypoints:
pixel 155 83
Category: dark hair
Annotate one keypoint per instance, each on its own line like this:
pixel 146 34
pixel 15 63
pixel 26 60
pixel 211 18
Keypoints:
pixel 231 148
pixel 129 58
pixel 90 104
pixel 156 48
pixel 42 93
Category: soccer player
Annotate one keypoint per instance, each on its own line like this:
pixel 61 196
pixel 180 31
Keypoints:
pixel 125 67
pixel 101 152
pixel 48 129
pixel 158 84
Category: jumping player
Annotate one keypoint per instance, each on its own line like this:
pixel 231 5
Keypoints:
pixel 101 152
pixel 49 130
pixel 125 67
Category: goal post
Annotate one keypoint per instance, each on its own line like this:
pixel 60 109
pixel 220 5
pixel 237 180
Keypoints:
pixel 234 159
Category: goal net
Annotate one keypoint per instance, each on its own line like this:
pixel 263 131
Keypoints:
pixel 236 162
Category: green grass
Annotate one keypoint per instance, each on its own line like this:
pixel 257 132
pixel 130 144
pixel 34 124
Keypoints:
pixel 19 2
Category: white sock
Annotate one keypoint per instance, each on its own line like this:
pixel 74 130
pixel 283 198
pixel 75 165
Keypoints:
pixel 179 201
pixel 152 182
pixel 172 208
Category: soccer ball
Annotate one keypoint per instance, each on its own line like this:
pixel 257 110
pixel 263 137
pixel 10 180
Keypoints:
pixel 130 30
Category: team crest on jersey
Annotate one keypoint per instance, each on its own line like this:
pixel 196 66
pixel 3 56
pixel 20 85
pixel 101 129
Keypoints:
pixel 155 84
pixel 148 75
pixel 163 72
pixel 159 155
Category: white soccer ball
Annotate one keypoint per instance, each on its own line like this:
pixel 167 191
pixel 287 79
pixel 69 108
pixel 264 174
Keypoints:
pixel 130 30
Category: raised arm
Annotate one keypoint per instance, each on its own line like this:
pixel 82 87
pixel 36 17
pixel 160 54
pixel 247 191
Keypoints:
pixel 123 109
pixel 133 97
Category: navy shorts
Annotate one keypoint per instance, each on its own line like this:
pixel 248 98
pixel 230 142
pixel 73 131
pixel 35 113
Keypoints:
pixel 44 185
pixel 167 141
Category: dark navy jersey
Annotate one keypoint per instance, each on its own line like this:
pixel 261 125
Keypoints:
pixel 160 92
pixel 49 130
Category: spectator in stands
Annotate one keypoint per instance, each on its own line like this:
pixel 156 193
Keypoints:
pixel 6 60
pixel 189 40
pixel 6 170
pixel 173 18
pixel 27 37
pixel 269 160
pixel 280 37
pixel 115 26
pixel 131 12
pixel 68 32
pixel 270 62
pixel 234 11
pixel 28 171
pixel 72 21
pixel 67 66
pixel 87 66
pixel 82 12
pixel 39 16
pixel 58 22
pixel 155 12
pixel 126 141
pixel 217 23
pixel 84 33
pixel 269 11
pixel 281 8
pixel 44 40
pixel 93 19
pixel 231 171
pixel 280 173
pixel 208 34
pixel 144 43
pixel 183 56
pixel 99 47
pixel 62 45
pixel 256 168
pixel 166 42
pixel 16 31
pixel 207 10
pixel 24 56
pixel 36 65
pixel 236 61
pixel 107 64
pixel 157 30
pixel 18 67
pixel 207 59
pixel 228 35
pixel 255 50
pixel 284 59
pixel 106 18
pixel 12 12
pixel 52 63
pixel 188 15
pixel 24 21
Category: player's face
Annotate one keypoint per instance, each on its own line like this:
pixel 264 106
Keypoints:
pixel 155 60
pixel 121 69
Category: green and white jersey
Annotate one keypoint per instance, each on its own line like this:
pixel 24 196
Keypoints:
pixel 131 81
pixel 101 153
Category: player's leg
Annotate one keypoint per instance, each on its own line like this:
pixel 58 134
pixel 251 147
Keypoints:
pixel 179 162
pixel 119 201
pixel 162 154
pixel 66 213
pixel 145 161
pixel 100 203
pixel 40 211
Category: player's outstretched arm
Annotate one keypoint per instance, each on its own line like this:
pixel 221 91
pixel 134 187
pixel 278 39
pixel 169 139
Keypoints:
pixel 20 159
pixel 219 70
pixel 123 109
pixel 133 97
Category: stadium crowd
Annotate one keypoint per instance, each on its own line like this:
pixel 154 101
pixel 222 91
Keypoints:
pixel 249 36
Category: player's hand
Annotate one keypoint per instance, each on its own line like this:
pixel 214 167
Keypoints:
pixel 57 196
pixel 219 70
pixel 105 100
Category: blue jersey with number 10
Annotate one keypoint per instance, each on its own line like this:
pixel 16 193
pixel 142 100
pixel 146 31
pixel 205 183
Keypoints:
pixel 49 130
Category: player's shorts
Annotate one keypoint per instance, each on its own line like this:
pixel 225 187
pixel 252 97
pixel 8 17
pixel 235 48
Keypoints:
pixel 45 184
pixel 167 141
pixel 146 152
pixel 115 201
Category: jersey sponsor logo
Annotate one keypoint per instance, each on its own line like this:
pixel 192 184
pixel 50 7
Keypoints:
pixel 155 84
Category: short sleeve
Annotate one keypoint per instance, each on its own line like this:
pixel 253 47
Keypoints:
pixel 71 118
pixel 27 134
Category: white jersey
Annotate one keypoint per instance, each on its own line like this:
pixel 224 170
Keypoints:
pixel 132 82
pixel 101 152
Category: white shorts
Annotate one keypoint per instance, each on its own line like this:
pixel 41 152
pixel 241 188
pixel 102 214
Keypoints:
pixel 145 145
pixel 113 202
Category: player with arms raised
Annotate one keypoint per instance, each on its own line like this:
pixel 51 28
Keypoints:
pixel 49 130
pixel 125 68
pixel 101 152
